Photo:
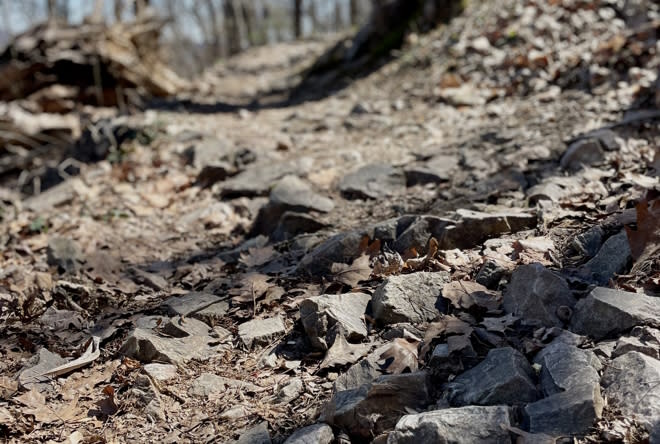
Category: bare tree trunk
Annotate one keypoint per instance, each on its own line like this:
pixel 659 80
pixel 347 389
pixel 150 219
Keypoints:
pixel 97 13
pixel 338 20
pixel 231 25
pixel 51 6
pixel 118 9
pixel 213 33
pixel 313 15
pixel 297 18
pixel 140 6
pixel 355 12
pixel 250 20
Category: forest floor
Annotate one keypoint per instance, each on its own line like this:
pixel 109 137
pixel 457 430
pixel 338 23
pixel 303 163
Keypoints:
pixel 476 192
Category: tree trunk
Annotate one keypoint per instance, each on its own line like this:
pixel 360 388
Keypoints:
pixel 250 20
pixel 213 33
pixel 297 18
pixel 97 13
pixel 338 21
pixel 231 26
pixel 355 12
pixel 118 9
pixel 140 7
pixel 51 6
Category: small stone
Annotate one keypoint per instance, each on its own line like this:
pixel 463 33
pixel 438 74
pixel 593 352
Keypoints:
pixel 630 343
pixel 189 303
pixel 535 293
pixel 464 95
pixel 151 280
pixel 357 375
pixel 565 367
pixel 213 314
pixel 481 44
pixel 606 312
pixel 294 194
pixel 415 298
pixel 583 152
pixel 612 258
pixel 326 315
pixel 64 254
pixel 438 169
pixel 290 391
pixel 372 182
pixel 490 274
pixel 207 384
pixel 465 425
pixel 161 372
pixel 589 242
pixel 261 331
pixel 504 377
pixel 474 227
pixel 291 224
pixel 314 434
pixel 255 435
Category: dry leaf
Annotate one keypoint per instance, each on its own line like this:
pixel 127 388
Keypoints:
pixel 253 286
pixel 257 256
pixel 91 354
pixel 445 327
pixel 343 353
pixel 645 241
pixel 35 404
pixel 8 387
pixel 350 275
pixel 400 356
pixel 108 405
pixel 468 295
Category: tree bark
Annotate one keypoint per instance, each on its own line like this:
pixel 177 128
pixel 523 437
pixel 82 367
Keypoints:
pixel 355 12
pixel 297 18
pixel 231 26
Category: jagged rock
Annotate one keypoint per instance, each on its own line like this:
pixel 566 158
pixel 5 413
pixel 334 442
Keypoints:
pixel 150 280
pixel 504 377
pixel 314 434
pixel 606 312
pixel 289 194
pixel 376 407
pixel 189 303
pixel 261 331
pixel 415 297
pixel 256 435
pixel 583 152
pixel 465 425
pixel 291 224
pixel 490 274
pixel 565 413
pixel 31 377
pixel 565 367
pixel 589 242
pixel 217 160
pixel 372 182
pixel 208 383
pixel 357 375
pixel 632 381
pixel 213 314
pixel 417 233
pixel 259 178
pixel 536 293
pixel 326 315
pixel 290 391
pixel 645 340
pixel 436 170
pixel 473 227
pixel 161 372
pixel 611 259
pixel 187 339
pixel 64 253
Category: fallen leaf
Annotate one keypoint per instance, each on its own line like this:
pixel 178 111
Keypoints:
pixel 342 353
pixel 350 275
pixel 253 286
pixel 35 404
pixel 91 354
pixel 468 295
pixel 8 387
pixel 445 327
pixel 257 256
pixel 645 240
pixel 108 405
pixel 400 356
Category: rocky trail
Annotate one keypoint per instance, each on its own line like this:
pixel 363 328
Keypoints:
pixel 462 246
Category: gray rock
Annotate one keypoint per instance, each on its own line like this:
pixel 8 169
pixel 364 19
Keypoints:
pixel 372 182
pixel 465 425
pixel 161 372
pixel 639 344
pixel 632 380
pixel 217 160
pixel 213 314
pixel 187 339
pixel 415 298
pixel 64 253
pixel 60 194
pixel 260 177
pixel 418 232
pixel 583 152
pixel 611 259
pixel 490 274
pixel 31 376
pixel 290 391
pixel 376 407
pixel 291 224
pixel 536 293
pixel 255 435
pixel 504 377
pixel 208 383
pixel 473 227
pixel 606 312
pixel 314 434
pixel 326 315
pixel 261 331
pixel 589 242
pixel 189 303
pixel 565 367
pixel 151 280
pixel 607 139
pixel 357 375
pixel 566 413
pixel 436 170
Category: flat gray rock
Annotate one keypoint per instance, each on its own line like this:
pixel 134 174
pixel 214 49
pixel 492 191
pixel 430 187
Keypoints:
pixel 314 434
pixel 612 258
pixel 213 314
pixel 372 182
pixel 326 315
pixel 32 376
pixel 415 298
pixel 504 377
pixel 645 340
pixel 290 391
pixel 605 312
pixel 64 253
pixel 261 331
pixel 633 380
pixel 208 383
pixel 376 407
pixel 189 303
pixel 357 375
pixel 570 413
pixel 536 293
pixel 256 435
pixel 582 152
pixel 161 372
pixel 292 224
pixel 435 170
pixel 465 425
pixel 259 178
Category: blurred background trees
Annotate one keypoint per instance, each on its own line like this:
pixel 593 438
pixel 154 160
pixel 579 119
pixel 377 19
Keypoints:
pixel 199 31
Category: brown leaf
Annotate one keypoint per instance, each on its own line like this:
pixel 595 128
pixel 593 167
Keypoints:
pixel 257 256
pixel 108 405
pixel 35 404
pixel 8 387
pixel 253 286
pixel 343 353
pixel 467 295
pixel 401 355
pixel 447 326
pixel 645 241
pixel 350 275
